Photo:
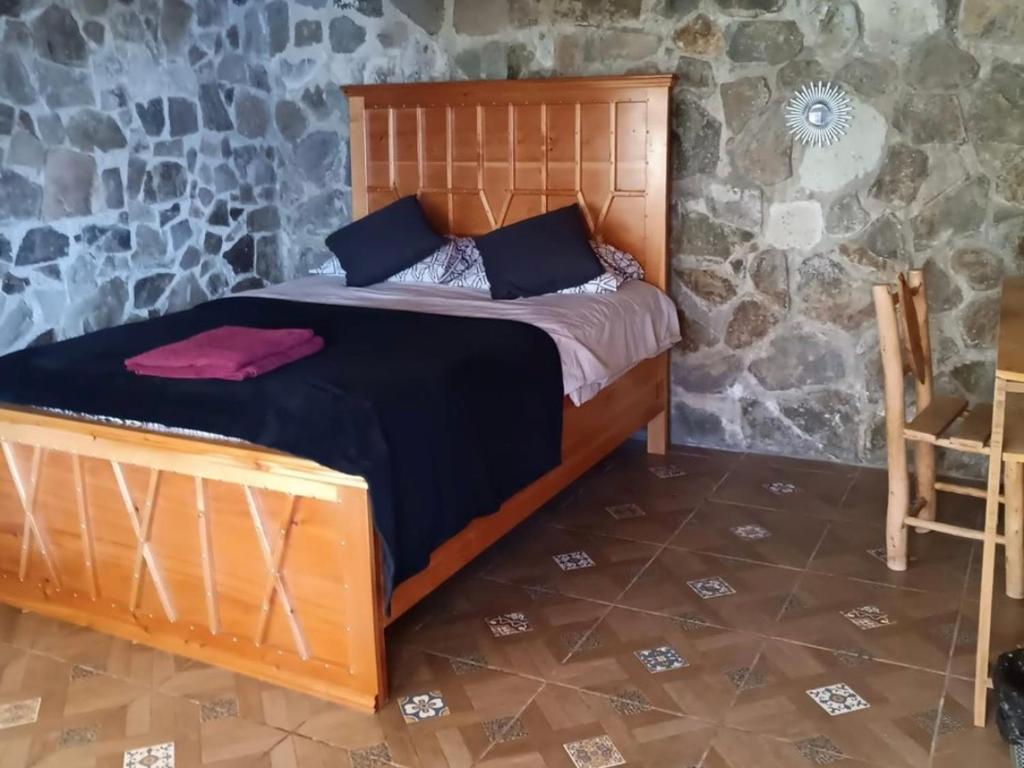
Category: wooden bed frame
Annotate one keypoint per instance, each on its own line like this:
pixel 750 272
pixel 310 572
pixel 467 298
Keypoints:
pixel 265 563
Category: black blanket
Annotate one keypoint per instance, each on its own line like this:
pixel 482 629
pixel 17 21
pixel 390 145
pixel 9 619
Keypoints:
pixel 445 417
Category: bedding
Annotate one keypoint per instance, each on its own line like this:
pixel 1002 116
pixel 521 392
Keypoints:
pixel 446 417
pixel 599 336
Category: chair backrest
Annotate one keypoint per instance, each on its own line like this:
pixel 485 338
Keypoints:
pixel 902 313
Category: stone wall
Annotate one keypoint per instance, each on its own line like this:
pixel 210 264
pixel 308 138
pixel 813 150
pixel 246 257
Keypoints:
pixel 774 246
pixel 135 148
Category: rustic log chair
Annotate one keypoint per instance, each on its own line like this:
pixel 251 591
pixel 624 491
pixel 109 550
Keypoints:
pixel 939 421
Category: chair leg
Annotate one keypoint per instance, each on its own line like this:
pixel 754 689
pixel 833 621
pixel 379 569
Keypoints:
pixel 924 474
pixel 899 504
pixel 1013 523
pixel 988 554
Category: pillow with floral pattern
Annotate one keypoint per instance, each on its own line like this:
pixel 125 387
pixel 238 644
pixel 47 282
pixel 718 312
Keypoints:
pixel 444 266
pixel 619 268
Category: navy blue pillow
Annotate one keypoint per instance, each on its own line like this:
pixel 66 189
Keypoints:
pixel 385 242
pixel 539 255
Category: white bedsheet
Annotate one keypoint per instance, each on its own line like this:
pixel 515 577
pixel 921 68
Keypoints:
pixel 599 336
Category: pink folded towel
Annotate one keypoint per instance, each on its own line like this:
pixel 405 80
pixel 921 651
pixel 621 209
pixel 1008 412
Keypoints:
pixel 230 352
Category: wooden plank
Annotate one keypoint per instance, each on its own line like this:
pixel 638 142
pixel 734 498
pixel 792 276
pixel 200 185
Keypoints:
pixel 973 431
pixel 1010 358
pixel 1013 440
pixel 933 420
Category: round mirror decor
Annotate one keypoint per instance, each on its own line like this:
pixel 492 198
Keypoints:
pixel 819 114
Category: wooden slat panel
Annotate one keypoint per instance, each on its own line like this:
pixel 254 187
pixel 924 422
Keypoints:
pixel 1013 440
pixel 975 428
pixel 934 419
pixel 1010 360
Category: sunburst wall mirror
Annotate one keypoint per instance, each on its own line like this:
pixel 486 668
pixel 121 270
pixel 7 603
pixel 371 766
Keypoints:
pixel 819 114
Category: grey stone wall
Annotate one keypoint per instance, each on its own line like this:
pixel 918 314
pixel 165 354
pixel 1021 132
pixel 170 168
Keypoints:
pixel 135 149
pixel 774 246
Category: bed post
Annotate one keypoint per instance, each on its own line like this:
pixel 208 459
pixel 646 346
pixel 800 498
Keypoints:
pixel 657 243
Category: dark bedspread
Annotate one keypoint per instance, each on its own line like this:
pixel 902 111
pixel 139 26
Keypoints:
pixel 446 417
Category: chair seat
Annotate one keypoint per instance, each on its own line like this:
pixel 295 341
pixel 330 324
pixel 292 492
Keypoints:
pixel 947 422
pixel 933 420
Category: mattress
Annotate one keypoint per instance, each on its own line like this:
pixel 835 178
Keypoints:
pixel 599 336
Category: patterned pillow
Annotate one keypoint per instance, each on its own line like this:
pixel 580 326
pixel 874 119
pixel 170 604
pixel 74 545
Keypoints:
pixel 473 275
pixel 445 266
pixel 619 262
pixel 619 268
pixel 331 267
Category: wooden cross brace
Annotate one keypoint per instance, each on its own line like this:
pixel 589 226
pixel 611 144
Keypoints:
pixel 273 557
pixel 26 491
pixel 143 551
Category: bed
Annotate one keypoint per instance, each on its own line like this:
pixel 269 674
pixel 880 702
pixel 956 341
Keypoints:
pixel 268 564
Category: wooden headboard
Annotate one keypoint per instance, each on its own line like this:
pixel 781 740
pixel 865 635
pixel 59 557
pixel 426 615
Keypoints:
pixel 481 155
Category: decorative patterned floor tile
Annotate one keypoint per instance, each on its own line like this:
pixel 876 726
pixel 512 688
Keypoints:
pixel 852 657
pixel 467 662
pixel 77 737
pixel 502 730
pixel 153 756
pixel 16 713
pixel 667 471
pixel 819 750
pixel 661 659
pixel 751 532
pixel 837 699
pixel 581 640
pixel 598 752
pixel 868 617
pixel 713 586
pixel 509 624
pixel 948 723
pixel 745 678
pixel 688 621
pixel 573 561
pixel 218 709
pixel 781 488
pixel 374 756
pixel 630 701
pixel 626 511
pixel 80 672
pixel 422 706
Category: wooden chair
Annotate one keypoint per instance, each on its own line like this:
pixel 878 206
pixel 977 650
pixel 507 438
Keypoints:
pixel 939 421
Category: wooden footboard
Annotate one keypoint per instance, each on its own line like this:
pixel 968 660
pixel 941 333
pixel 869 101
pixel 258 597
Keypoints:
pixel 240 557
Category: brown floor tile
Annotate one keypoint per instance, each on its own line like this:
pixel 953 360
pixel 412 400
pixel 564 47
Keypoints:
pixel 937 562
pixel 571 562
pixel 899 625
pixel 877 707
pixel 1007 631
pixel 507 626
pixel 958 743
pixel 693 669
pixel 868 498
pixel 774 484
pixel 626 499
pixel 738 749
pixel 751 533
pixel 438 714
pixel 561 716
pixel 753 594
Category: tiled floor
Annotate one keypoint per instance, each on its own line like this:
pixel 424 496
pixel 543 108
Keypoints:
pixel 704 609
